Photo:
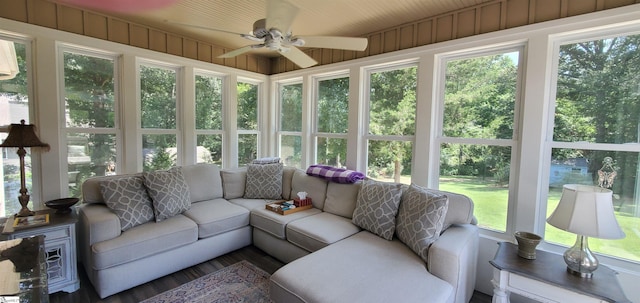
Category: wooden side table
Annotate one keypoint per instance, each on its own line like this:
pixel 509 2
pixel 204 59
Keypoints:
pixel 60 249
pixel 546 279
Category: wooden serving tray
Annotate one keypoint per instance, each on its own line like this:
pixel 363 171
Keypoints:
pixel 285 212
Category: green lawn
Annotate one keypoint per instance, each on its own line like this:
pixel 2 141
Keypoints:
pixel 491 210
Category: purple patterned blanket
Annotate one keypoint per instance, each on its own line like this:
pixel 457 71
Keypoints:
pixel 335 174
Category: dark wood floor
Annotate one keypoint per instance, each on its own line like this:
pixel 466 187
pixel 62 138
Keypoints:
pixel 86 293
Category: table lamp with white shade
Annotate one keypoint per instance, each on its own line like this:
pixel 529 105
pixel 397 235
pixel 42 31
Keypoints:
pixel 588 212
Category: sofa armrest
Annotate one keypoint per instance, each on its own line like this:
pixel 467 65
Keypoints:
pixel 96 223
pixel 453 258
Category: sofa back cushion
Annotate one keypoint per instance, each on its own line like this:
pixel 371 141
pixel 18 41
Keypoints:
pixel 234 182
pixel 316 188
pixel 460 210
pixel 204 181
pixel 91 187
pixel 341 199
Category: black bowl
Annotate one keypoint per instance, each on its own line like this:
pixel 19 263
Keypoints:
pixel 63 205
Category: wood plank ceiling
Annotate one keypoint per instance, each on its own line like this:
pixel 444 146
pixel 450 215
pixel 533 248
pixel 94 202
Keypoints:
pixel 327 17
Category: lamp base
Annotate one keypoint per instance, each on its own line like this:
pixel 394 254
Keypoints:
pixel 586 275
pixel 25 212
pixel 24 201
pixel 580 260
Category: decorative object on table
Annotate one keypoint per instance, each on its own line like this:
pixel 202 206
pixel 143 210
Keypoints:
pixel 285 207
pixel 586 211
pixel 301 199
pixel 62 206
pixel 23 135
pixel 30 221
pixel 527 243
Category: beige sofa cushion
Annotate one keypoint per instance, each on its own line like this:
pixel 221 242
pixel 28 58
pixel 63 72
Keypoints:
pixel 145 240
pixel 460 210
pixel 274 223
pixel 361 268
pixel 341 199
pixel 317 231
pixel 233 182
pixel 204 181
pixel 316 188
pixel 217 216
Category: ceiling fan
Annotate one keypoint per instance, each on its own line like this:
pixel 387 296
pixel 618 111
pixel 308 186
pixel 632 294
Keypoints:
pixel 274 33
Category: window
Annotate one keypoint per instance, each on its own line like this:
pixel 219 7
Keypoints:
pixel 158 110
pixel 209 118
pixel 596 133
pixel 332 108
pixel 291 124
pixel 391 127
pixel 14 106
pixel 478 135
pixel 90 117
pixel 247 122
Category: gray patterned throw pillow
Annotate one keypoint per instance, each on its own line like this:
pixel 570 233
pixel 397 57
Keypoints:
pixel 377 206
pixel 421 218
pixel 264 181
pixel 128 198
pixel 168 191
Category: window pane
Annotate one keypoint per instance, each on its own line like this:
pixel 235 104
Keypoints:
pixel 597 91
pixel 291 150
pixel 208 102
pixel 482 173
pixel 209 149
pixel 247 148
pixel 89 155
pixel 333 105
pixel 390 161
pixel 159 152
pixel 291 107
pixel 247 106
pixel 622 177
pixel 392 107
pixel 158 97
pixel 332 151
pixel 14 106
pixel 89 91
pixel 597 102
pixel 480 95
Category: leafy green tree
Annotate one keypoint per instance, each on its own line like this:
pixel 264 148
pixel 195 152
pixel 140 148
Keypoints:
pixel 247 120
pixel 209 114
pixel 332 117
pixel 597 100
pixel 392 113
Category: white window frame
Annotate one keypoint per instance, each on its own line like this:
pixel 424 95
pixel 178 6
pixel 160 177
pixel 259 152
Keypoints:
pixel 315 134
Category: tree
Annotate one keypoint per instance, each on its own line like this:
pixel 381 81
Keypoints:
pixel 332 118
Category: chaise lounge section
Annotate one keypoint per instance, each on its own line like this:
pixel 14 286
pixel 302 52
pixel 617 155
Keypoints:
pixel 330 257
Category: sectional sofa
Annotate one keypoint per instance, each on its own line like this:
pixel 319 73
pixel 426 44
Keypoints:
pixel 333 252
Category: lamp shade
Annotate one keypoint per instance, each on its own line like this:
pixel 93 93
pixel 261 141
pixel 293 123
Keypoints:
pixel 587 211
pixel 8 60
pixel 23 135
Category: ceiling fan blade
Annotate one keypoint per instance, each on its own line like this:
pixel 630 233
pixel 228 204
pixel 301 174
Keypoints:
pixel 349 43
pixel 280 15
pixel 238 51
pixel 204 27
pixel 298 57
